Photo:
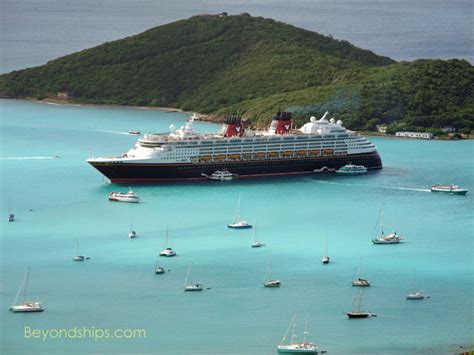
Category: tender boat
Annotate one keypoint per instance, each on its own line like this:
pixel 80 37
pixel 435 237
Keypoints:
pixel 270 282
pixel 134 132
pixel 238 223
pixel 294 347
pixel 26 306
pixel 167 251
pixel 351 169
pixel 221 175
pixel 356 310
pixel 191 286
pixel 359 281
pixel 392 238
pixel 129 196
pixel 449 189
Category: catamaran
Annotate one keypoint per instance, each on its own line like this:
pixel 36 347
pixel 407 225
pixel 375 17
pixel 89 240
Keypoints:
pixel 392 238
pixel 25 306
pixel 238 223
pixel 167 251
pixel 191 286
pixel 295 347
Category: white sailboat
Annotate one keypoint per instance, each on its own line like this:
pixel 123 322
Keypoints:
pixel 238 223
pixel 391 238
pixel 191 286
pixel 415 293
pixel 132 234
pixel 167 251
pixel 359 281
pixel 270 281
pixel 78 257
pixel 295 347
pixel 325 259
pixel 256 243
pixel 25 306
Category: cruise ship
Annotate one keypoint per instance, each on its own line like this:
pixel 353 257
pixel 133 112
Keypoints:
pixel 185 154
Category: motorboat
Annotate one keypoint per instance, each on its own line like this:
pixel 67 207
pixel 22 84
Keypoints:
pixel 351 169
pixel 221 175
pixel 134 132
pixel 129 196
pixel 449 189
pixel 159 270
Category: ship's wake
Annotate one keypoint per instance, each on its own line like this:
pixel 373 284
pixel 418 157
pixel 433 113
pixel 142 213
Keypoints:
pixel 103 131
pixel 31 158
pixel 375 186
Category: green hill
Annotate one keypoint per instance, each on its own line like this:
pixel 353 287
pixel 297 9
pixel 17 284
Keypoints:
pixel 255 66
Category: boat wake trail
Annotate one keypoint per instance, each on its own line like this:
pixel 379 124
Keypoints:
pixel 30 158
pixel 103 131
pixel 376 186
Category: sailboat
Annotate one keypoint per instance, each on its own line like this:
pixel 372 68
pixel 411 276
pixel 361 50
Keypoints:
pixel 78 257
pixel 270 282
pixel 356 309
pixel 325 259
pixel 191 286
pixel 359 281
pixel 415 294
pixel 26 306
pixel 167 251
pixel 255 242
pixel 11 216
pixel 297 347
pixel 392 238
pixel 238 223
pixel 132 234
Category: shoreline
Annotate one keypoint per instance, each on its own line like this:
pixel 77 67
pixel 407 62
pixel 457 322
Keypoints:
pixel 210 118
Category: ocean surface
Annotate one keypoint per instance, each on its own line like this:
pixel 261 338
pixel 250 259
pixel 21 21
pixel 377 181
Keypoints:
pixel 62 201
pixel 33 32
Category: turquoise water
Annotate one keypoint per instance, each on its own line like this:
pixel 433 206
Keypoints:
pixel 59 202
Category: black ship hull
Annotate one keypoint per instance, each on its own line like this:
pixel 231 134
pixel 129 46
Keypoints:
pixel 127 173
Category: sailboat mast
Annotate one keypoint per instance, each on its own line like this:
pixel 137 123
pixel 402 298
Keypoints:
pixel 237 211
pixel 305 329
pixel 187 275
pixel 166 237
pixel 381 220
pixel 26 284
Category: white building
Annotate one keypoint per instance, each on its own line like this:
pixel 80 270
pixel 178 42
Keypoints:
pixel 419 135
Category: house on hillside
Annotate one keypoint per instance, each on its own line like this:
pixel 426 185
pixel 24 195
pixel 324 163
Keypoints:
pixel 64 95
pixel 448 129
pixel 419 135
pixel 381 128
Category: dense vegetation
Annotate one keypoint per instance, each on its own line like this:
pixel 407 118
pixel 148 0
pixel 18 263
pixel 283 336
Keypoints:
pixel 255 66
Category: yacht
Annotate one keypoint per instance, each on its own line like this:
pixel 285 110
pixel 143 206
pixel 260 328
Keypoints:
pixel 294 347
pixel 11 216
pixel 270 282
pixel 167 251
pixel 132 234
pixel 449 189
pixel 351 169
pixel 391 238
pixel 415 293
pixel 359 281
pixel 159 270
pixel 129 196
pixel 221 175
pixel 325 259
pixel 238 223
pixel 356 309
pixel 191 286
pixel 78 257
pixel 25 306
pixel 256 243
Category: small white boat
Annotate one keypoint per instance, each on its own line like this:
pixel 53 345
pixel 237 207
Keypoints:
pixel 449 189
pixel 294 347
pixel 238 222
pixel 270 282
pixel 129 196
pixel 78 257
pixel 25 306
pixel 221 175
pixel 167 251
pixel 325 259
pixel 132 234
pixel 159 270
pixel 392 238
pixel 359 281
pixel 351 169
pixel 415 294
pixel 134 132
pixel 191 286
pixel 255 242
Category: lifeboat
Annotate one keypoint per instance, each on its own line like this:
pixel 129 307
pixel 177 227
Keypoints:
pixel 287 154
pixel 205 158
pixel 301 153
pixel 328 151
pixel 272 154
pixel 247 156
pixel 314 153
pixel 220 157
pixel 259 155
pixel 233 157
